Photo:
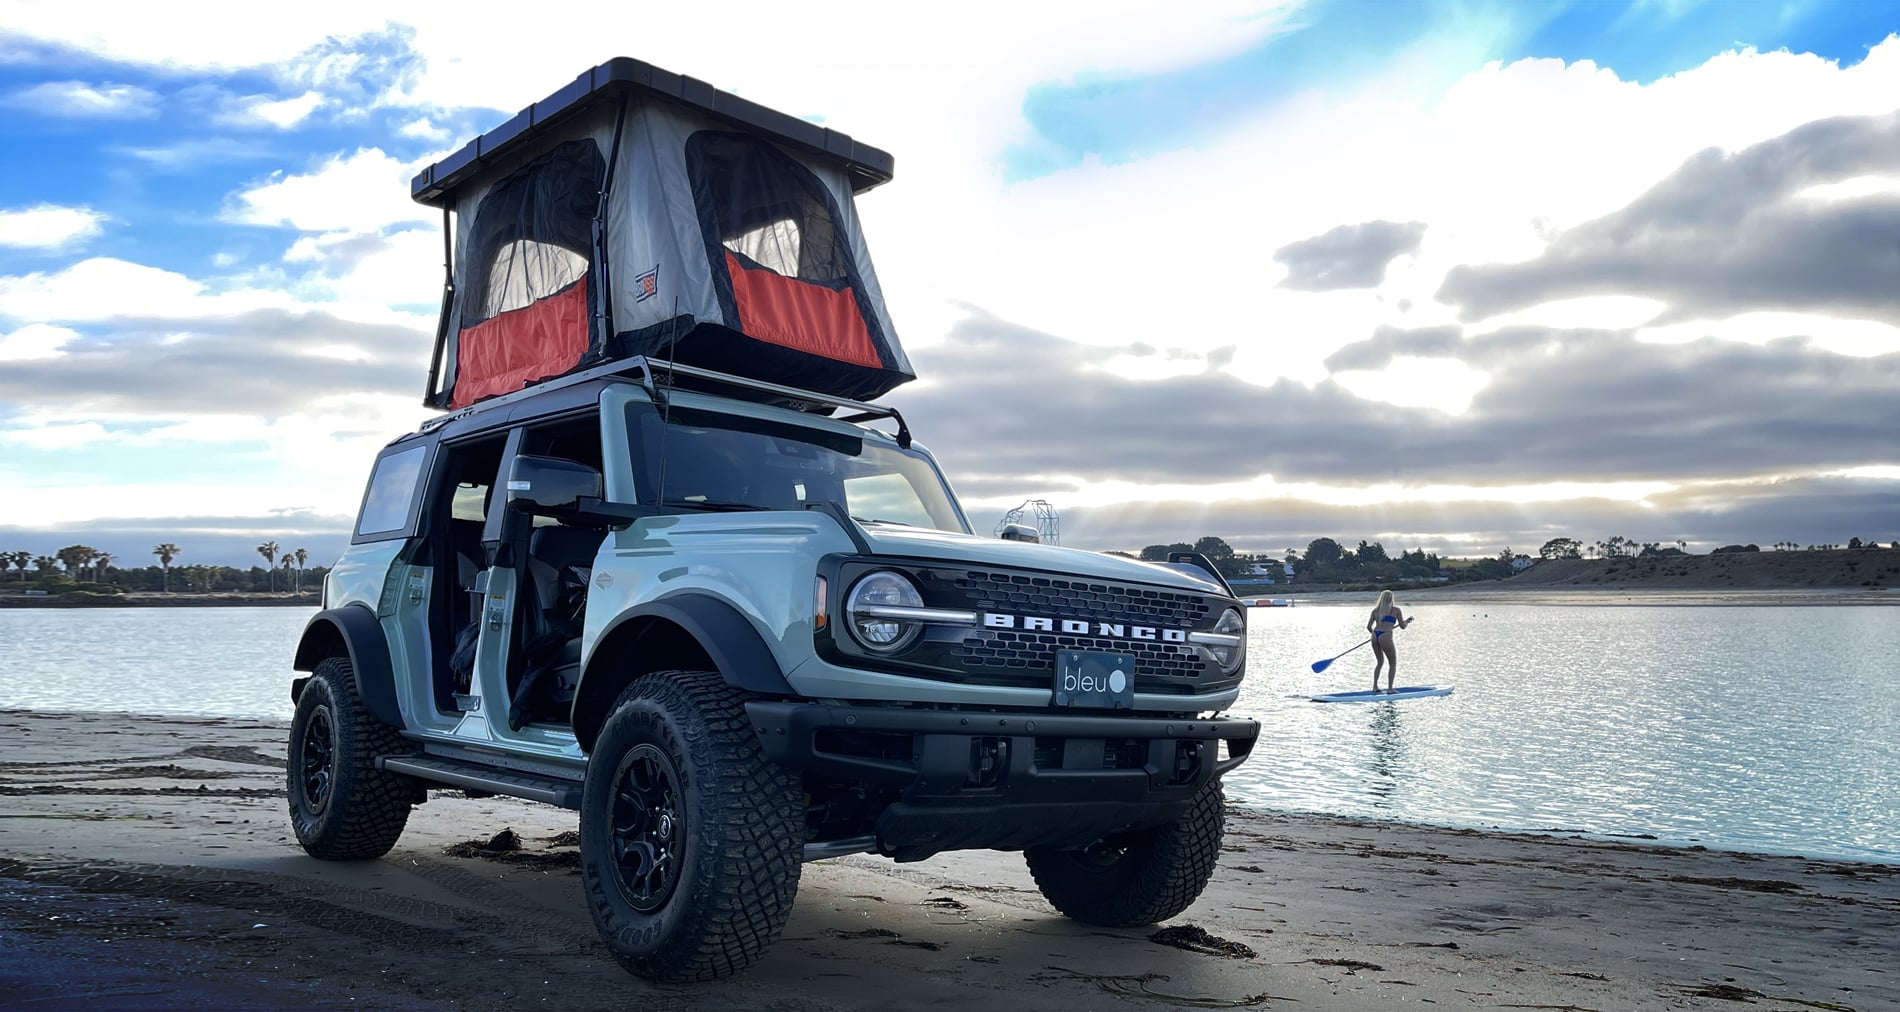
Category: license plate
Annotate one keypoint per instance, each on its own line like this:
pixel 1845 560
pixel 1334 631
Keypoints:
pixel 1096 680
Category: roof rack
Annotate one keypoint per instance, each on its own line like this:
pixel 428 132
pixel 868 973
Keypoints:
pixel 648 368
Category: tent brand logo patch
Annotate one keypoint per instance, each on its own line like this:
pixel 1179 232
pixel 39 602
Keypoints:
pixel 647 285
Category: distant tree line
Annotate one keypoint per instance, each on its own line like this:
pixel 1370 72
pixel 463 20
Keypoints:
pixel 1326 561
pixel 1620 547
pixel 82 568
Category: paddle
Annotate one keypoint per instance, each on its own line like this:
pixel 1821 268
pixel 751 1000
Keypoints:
pixel 1319 666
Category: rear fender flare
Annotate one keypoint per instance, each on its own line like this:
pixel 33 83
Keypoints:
pixel 352 631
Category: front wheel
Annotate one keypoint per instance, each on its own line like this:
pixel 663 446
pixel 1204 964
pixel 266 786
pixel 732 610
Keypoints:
pixel 1135 878
pixel 341 806
pixel 691 839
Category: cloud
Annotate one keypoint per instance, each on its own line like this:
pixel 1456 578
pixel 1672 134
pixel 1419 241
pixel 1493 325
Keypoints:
pixel 101 288
pixel 364 191
pixel 1350 256
pixel 1807 511
pixel 1562 406
pixel 264 363
pixel 262 110
pixel 191 155
pixel 423 129
pixel 80 100
pixel 35 340
pixel 1729 233
pixel 48 226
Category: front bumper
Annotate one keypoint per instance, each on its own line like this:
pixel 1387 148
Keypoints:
pixel 1005 781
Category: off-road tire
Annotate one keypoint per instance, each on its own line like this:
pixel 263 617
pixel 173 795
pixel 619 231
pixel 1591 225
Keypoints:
pixel 713 858
pixel 341 806
pixel 1136 878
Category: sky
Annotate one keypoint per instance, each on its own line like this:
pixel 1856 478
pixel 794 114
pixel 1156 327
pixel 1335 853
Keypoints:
pixel 1459 276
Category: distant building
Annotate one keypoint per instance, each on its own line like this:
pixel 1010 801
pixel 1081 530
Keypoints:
pixel 1521 563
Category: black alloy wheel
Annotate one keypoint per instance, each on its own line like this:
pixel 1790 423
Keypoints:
pixel 649 836
pixel 318 768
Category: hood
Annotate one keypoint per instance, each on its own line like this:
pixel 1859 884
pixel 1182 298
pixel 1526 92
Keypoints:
pixel 948 546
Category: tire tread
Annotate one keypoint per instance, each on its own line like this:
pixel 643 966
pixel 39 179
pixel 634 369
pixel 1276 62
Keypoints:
pixel 368 807
pixel 1179 860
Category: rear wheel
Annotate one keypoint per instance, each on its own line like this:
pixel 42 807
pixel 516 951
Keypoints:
pixel 691 840
pixel 1135 878
pixel 342 807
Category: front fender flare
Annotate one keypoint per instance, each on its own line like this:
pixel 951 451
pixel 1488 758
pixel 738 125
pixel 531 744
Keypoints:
pixel 728 639
pixel 354 632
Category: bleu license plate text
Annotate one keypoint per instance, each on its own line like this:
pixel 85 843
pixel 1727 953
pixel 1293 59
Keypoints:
pixel 1096 680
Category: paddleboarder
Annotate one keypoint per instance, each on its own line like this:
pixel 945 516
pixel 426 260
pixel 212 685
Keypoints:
pixel 1385 620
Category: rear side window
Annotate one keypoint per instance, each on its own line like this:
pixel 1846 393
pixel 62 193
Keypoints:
pixel 392 491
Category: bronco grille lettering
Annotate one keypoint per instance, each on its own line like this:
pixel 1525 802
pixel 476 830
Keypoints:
pixel 1079 627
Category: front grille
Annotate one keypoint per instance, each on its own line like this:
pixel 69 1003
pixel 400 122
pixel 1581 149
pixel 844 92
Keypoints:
pixel 1003 648
pixel 1028 658
pixel 1061 597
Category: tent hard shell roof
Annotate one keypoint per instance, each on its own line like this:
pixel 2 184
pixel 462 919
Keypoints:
pixel 435 186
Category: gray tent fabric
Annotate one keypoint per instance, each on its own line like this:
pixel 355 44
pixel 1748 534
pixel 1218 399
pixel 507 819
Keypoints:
pixel 718 243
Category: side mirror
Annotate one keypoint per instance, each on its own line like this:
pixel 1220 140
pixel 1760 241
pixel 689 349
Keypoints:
pixel 1020 532
pixel 550 486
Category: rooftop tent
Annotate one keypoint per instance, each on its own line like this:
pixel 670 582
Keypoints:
pixel 637 212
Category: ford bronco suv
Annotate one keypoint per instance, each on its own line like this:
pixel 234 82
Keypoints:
pixel 736 624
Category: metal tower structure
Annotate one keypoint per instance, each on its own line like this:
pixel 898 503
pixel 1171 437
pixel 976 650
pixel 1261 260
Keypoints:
pixel 1047 522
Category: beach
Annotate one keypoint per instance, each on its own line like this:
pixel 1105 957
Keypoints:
pixel 147 861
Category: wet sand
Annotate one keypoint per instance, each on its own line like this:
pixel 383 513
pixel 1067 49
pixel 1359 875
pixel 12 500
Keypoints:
pixel 147 862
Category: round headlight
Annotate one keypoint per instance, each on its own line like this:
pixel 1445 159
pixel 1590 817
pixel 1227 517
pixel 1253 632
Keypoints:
pixel 874 611
pixel 1229 658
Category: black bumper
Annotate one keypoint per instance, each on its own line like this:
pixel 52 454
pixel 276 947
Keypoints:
pixel 1005 781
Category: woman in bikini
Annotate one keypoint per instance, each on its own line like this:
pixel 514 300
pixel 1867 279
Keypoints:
pixel 1386 617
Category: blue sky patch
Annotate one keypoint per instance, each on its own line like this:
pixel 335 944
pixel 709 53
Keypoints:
pixel 1121 118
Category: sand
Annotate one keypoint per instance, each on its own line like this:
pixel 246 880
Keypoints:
pixel 147 861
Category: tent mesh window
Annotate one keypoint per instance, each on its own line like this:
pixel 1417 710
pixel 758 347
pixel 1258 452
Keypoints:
pixel 782 270
pixel 525 306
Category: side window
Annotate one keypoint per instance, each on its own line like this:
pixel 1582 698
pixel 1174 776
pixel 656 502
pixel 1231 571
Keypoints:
pixel 392 490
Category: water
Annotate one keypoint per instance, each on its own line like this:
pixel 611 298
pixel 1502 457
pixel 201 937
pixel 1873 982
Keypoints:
pixel 204 662
pixel 1748 728
pixel 1745 728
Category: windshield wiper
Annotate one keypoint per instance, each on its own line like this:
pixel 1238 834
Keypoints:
pixel 716 506
pixel 898 523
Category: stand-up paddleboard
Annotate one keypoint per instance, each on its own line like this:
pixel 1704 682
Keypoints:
pixel 1382 696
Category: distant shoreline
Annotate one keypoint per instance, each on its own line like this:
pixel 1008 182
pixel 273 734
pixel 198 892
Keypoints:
pixel 146 600
pixel 1501 593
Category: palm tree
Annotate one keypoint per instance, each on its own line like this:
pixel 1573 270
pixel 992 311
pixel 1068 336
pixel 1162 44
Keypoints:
pixel 289 561
pixel 269 551
pixel 101 561
pixel 166 553
pixel 45 564
pixel 303 555
pixel 75 558
pixel 18 560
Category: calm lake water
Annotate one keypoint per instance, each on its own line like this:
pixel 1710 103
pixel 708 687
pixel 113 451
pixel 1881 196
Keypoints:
pixel 1749 728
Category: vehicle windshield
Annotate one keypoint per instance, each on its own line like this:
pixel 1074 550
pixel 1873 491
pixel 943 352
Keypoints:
pixel 716 461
